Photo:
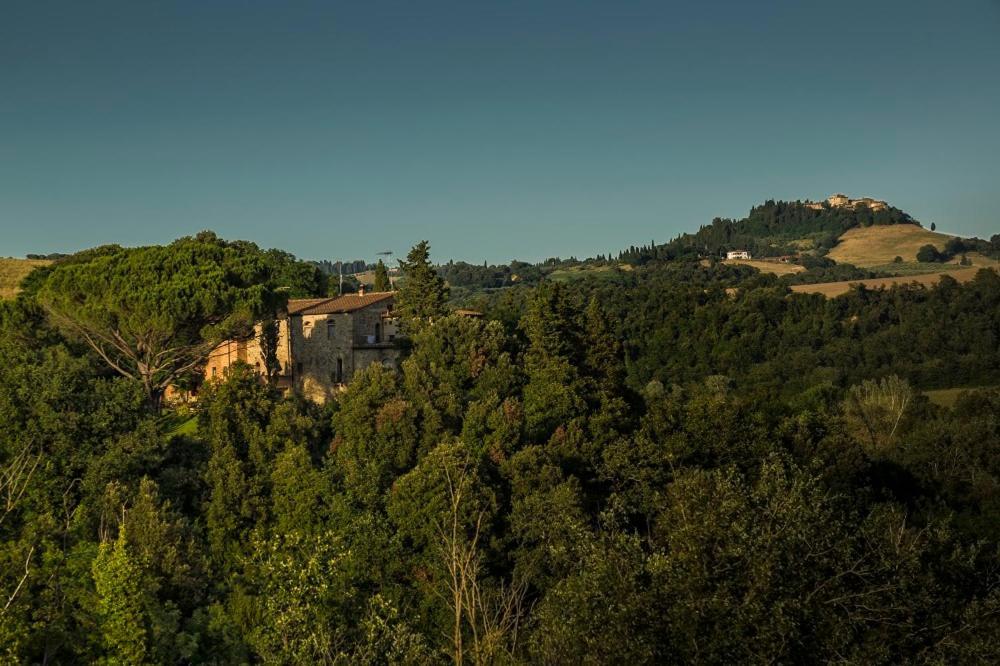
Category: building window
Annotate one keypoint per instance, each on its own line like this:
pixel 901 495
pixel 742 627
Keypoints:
pixel 214 370
pixel 340 371
pixel 378 332
pixel 329 329
pixel 298 368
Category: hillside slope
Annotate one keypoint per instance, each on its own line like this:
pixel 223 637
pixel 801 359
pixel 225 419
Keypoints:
pixel 866 247
pixel 773 229
pixel 834 289
pixel 12 271
pixel 773 267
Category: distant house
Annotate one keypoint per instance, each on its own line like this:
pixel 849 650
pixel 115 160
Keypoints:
pixel 322 343
pixel 840 200
pixel 737 254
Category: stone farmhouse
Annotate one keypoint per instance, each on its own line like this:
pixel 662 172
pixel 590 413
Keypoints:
pixel 322 343
pixel 843 201
pixel 738 254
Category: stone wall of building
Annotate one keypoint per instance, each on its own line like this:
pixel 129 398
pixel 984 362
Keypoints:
pixel 229 352
pixel 384 355
pixel 318 353
pixel 842 201
pixel 321 346
pixel 329 349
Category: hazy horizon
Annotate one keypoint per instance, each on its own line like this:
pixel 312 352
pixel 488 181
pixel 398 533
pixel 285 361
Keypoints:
pixel 522 131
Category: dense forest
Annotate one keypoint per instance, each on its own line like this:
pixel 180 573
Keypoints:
pixel 684 463
pixel 681 323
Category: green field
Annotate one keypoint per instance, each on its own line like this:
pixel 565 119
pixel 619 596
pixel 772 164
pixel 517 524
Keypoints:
pixel 576 272
pixel 948 397
pixel 906 268
pixel 181 422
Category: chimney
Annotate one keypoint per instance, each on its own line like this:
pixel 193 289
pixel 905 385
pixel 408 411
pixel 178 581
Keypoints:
pixel 361 289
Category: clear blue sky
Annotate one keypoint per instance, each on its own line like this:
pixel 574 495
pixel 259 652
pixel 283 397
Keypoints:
pixel 495 130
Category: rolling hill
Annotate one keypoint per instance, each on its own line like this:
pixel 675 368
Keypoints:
pixel 866 247
pixel 776 228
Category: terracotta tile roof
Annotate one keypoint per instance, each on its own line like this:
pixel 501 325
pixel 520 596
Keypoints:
pixel 337 304
pixel 297 305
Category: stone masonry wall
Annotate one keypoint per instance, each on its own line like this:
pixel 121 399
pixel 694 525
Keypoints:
pixel 319 353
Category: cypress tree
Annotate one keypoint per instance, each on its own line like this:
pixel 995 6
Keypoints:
pixel 422 294
pixel 382 282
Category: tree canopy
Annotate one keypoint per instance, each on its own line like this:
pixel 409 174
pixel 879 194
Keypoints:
pixel 422 295
pixel 670 465
pixel 153 313
pixel 382 282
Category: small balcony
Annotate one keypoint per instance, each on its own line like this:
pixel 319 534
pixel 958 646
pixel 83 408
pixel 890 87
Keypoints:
pixel 373 342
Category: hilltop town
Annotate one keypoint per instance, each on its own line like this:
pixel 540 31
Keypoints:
pixel 843 201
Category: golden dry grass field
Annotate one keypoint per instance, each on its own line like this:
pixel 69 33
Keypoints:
pixel 867 247
pixel 775 267
pixel 833 289
pixel 12 271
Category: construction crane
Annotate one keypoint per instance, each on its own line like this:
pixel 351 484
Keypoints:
pixel 387 254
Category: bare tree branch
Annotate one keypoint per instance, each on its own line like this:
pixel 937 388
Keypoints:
pixel 492 618
pixel 15 477
pixel 27 572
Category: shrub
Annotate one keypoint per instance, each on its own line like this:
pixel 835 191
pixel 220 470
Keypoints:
pixel 928 254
